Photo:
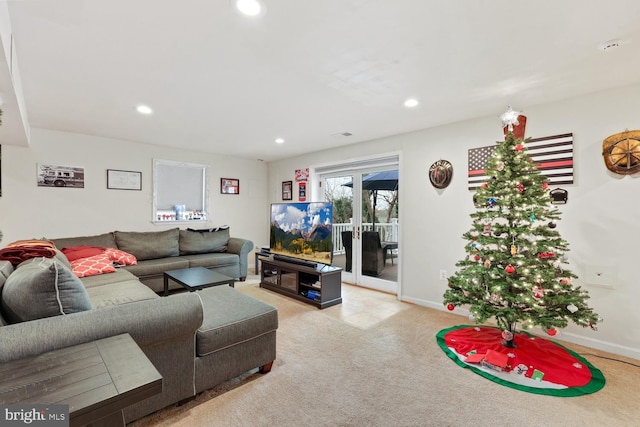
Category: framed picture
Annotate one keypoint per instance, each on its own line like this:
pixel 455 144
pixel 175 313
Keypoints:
pixel 124 180
pixel 287 190
pixel 60 176
pixel 229 186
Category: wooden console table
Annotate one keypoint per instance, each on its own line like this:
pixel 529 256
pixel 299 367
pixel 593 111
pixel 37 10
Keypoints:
pixel 97 380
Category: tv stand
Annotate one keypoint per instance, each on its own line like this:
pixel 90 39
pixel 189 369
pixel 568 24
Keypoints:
pixel 290 260
pixel 318 285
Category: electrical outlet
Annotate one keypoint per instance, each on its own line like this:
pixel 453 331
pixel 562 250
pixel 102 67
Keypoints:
pixel 443 274
pixel 601 276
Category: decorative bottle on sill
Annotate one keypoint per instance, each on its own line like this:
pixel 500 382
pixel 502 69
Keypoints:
pixel 179 210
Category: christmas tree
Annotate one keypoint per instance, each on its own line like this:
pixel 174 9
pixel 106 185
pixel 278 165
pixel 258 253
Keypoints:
pixel 513 270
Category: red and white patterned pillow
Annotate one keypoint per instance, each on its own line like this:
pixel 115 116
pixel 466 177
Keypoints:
pixel 93 265
pixel 120 257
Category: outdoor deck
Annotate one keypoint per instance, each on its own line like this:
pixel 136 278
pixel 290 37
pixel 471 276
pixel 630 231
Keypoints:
pixel 390 271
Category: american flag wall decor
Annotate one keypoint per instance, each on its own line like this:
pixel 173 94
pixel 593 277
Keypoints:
pixel 553 156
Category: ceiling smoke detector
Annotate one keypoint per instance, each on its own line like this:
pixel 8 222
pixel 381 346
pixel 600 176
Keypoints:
pixel 341 134
pixel 610 45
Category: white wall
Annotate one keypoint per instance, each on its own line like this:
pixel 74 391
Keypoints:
pixel 600 220
pixel 28 211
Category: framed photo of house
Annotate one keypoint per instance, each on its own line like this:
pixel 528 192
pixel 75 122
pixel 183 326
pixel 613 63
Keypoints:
pixel 229 186
pixel 287 190
pixel 124 180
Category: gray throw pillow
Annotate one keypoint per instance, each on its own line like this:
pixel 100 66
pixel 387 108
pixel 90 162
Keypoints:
pixel 42 287
pixel 202 242
pixel 150 244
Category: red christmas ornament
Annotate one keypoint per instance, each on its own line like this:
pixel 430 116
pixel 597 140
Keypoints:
pixel 450 307
pixel 485 185
pixel 545 186
pixel 546 255
pixel 510 269
pixel 520 187
pixel 564 281
pixel 552 331
pixel 518 147
pixel 538 292
pixel 476 257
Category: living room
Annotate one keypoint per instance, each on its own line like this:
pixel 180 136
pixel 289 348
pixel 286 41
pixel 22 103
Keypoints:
pixel 598 219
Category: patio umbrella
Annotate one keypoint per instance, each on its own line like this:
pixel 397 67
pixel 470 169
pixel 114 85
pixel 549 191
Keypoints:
pixel 385 180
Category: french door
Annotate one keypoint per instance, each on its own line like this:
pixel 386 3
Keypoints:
pixel 365 225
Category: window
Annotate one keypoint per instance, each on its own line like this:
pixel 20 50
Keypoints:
pixel 180 191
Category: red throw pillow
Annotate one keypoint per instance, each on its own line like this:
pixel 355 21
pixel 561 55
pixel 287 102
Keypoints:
pixel 91 266
pixel 120 257
pixel 76 252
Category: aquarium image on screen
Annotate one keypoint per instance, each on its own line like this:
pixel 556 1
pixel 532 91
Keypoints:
pixel 302 231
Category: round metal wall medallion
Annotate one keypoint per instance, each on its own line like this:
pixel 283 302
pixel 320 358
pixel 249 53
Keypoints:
pixel 621 152
pixel 441 173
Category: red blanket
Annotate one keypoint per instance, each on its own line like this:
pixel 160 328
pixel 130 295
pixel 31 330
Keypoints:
pixel 22 250
pixel 76 252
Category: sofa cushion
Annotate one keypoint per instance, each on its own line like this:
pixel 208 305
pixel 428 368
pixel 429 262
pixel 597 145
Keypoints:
pixel 150 244
pixel 105 240
pixel 6 268
pixel 92 266
pixel 231 317
pixel 42 287
pixel 213 260
pixel 200 242
pixel 153 267
pixel 62 258
pixel 121 275
pixel 119 293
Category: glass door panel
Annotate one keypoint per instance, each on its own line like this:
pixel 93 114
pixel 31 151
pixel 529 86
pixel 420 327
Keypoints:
pixel 339 190
pixel 379 239
pixel 365 228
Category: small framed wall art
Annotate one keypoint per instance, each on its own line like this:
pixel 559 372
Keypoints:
pixel 287 190
pixel 124 180
pixel 229 186
pixel 50 175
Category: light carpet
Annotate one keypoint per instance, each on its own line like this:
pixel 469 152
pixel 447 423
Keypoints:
pixel 374 361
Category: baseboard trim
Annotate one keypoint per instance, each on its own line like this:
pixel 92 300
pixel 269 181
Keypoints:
pixel 566 336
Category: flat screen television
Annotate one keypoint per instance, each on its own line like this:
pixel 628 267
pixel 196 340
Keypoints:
pixel 302 231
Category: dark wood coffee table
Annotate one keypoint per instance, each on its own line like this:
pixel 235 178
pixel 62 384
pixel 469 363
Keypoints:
pixel 97 380
pixel 196 278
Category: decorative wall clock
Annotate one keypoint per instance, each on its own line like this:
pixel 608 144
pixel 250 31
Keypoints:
pixel 621 152
pixel 440 173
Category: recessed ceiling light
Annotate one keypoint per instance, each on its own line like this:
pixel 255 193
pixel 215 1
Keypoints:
pixel 144 109
pixel 411 102
pixel 249 7
pixel 279 141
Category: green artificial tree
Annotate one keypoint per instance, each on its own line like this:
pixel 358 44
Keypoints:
pixel 513 268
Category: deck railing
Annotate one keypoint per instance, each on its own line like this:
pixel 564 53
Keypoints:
pixel 388 233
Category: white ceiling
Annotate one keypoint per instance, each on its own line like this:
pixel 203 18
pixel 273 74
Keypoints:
pixel 306 70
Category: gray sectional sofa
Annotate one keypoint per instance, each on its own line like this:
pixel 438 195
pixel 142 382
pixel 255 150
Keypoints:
pixel 195 340
pixel 160 251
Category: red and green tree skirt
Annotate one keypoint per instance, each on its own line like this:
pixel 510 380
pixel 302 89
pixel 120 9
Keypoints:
pixel 536 365
pixel 513 268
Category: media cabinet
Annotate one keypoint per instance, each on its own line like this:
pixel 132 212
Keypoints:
pixel 320 286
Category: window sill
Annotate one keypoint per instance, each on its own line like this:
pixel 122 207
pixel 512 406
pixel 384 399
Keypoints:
pixel 184 221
